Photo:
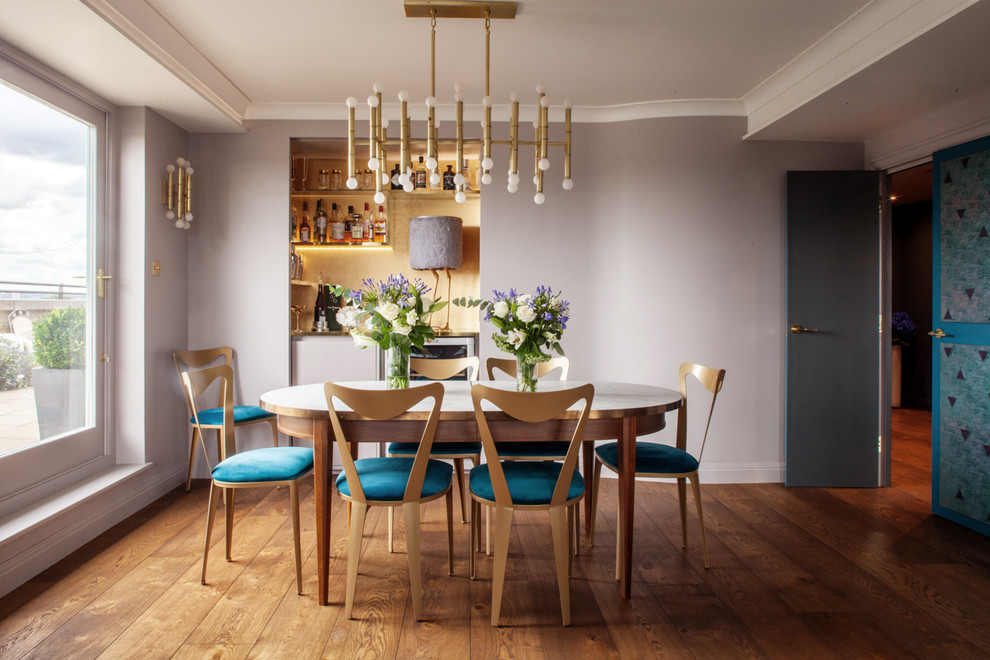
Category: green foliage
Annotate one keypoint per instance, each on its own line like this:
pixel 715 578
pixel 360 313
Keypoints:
pixel 15 363
pixel 60 339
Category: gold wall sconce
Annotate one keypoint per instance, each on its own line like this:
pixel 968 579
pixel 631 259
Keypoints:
pixel 177 193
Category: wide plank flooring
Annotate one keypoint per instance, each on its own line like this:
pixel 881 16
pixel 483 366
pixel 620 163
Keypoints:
pixel 795 573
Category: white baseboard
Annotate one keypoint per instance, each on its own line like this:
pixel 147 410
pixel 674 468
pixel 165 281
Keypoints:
pixel 33 541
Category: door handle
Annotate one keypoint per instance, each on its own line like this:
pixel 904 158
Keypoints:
pixel 938 334
pixel 796 329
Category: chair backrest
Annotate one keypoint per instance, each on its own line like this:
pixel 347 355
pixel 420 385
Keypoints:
pixel 508 366
pixel 533 408
pixel 444 368
pixel 194 383
pixel 711 379
pixel 381 405
pixel 196 359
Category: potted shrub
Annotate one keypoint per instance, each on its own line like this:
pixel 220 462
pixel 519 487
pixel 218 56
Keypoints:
pixel 59 383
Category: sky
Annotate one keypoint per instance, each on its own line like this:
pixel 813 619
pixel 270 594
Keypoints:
pixel 43 192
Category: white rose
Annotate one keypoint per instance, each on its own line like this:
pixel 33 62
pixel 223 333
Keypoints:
pixel 526 314
pixel 427 302
pixel 500 309
pixel 550 336
pixel 363 341
pixel 516 337
pixel 402 329
pixel 412 318
pixel 389 310
pixel 523 299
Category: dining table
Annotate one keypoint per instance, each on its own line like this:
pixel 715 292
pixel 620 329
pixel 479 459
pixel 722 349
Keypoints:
pixel 620 411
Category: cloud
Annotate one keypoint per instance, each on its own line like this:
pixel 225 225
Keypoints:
pixel 32 128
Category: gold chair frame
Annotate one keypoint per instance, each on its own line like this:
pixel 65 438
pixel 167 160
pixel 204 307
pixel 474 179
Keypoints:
pixel 711 379
pixel 442 369
pixel 195 383
pixel 197 359
pixel 383 405
pixel 531 408
pixel 508 367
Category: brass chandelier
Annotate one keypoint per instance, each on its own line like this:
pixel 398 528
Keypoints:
pixel 378 142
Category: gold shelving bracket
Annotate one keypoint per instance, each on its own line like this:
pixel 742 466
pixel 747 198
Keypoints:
pixel 459 9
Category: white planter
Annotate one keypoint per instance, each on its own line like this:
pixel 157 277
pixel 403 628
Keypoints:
pixel 60 398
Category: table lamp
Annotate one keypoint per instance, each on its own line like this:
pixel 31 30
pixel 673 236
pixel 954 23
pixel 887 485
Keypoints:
pixel 436 241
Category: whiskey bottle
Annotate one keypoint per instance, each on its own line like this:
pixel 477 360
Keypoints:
pixel 420 174
pixel 304 229
pixel 381 226
pixel 357 228
pixel 448 179
pixel 367 227
pixel 396 171
pixel 320 222
pixel 338 230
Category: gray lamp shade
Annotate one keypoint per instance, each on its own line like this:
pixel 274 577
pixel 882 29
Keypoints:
pixel 435 241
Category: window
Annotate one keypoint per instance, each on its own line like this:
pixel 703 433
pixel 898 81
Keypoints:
pixel 53 229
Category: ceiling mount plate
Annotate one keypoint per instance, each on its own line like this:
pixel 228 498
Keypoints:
pixel 459 9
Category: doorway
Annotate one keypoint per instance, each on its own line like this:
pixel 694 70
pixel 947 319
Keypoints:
pixel 911 294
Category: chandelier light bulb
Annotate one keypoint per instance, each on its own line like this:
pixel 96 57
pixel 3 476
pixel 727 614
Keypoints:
pixel 379 197
pixel 403 178
pixel 435 179
pixel 189 170
pixel 373 164
pixel 385 179
pixel 512 187
pixel 378 88
pixel 535 180
pixel 486 178
pixel 396 180
pixel 351 183
pixel 567 184
pixel 541 88
pixel 514 96
pixel 408 186
pixel 539 198
pixel 568 104
pixel 514 178
pixel 170 167
pixel 170 215
pixel 351 102
pixel 487 163
pixel 458 179
pixel 487 101
pixel 403 95
pixel 186 225
pixel 180 224
pixel 431 101
pixel 384 123
pixel 460 197
pixel 431 163
pixel 544 164
pixel 180 161
pixel 373 101
pixel 544 101
pixel 188 217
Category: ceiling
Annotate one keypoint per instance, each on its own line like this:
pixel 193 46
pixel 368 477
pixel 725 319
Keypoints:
pixel 796 69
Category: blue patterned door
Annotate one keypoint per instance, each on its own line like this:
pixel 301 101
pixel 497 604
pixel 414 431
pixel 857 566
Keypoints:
pixel 961 311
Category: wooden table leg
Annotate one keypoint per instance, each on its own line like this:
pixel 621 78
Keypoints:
pixel 627 498
pixel 322 472
pixel 588 468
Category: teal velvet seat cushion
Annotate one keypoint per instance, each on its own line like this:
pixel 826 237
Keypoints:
pixel 439 448
pixel 384 479
pixel 651 458
pixel 530 482
pixel 267 464
pixel 532 449
pixel 214 416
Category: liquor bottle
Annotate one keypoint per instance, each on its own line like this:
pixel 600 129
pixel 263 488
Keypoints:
pixel 337 227
pixel 304 230
pixel 332 307
pixel 448 179
pixel 367 229
pixel 381 226
pixel 396 171
pixel 357 227
pixel 320 309
pixel 293 228
pixel 320 223
pixel 420 174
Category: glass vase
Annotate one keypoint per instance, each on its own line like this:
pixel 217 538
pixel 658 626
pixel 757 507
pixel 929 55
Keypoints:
pixel 396 369
pixel 525 375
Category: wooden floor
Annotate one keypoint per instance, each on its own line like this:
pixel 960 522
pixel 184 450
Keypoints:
pixel 796 573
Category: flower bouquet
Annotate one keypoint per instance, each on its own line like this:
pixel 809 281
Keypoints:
pixel 903 329
pixel 394 315
pixel 529 326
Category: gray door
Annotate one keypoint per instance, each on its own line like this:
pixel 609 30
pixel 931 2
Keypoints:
pixel 837 359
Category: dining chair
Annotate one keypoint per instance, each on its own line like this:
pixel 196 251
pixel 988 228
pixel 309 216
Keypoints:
pixel 664 461
pixel 442 369
pixel 212 418
pixel 390 481
pixel 269 466
pixel 543 450
pixel 504 486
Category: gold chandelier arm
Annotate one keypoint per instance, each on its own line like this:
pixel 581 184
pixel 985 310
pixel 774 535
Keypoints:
pixel 567 142
pixel 514 139
pixel 351 156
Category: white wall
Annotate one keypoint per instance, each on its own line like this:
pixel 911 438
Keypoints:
pixel 670 248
